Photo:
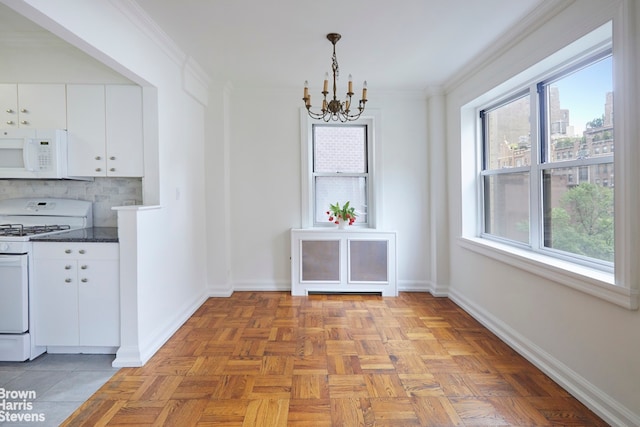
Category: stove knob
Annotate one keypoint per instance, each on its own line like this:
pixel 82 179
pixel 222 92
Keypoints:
pixel 4 247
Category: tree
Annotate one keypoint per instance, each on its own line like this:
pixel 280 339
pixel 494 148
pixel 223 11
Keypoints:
pixel 598 122
pixel 583 224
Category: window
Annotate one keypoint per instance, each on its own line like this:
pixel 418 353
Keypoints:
pixel 338 165
pixel 529 191
pixel 340 169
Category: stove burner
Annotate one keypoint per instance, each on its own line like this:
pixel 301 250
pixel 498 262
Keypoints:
pixel 21 230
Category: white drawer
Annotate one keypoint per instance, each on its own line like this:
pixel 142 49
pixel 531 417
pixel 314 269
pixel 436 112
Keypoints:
pixel 93 250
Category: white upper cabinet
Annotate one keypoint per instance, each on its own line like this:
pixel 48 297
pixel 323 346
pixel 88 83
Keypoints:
pixel 105 130
pixel 86 132
pixel 124 130
pixel 40 106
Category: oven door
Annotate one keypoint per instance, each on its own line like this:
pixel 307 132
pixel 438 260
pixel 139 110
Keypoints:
pixel 14 294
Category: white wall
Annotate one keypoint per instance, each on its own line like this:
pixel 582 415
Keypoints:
pixel 165 263
pixel 588 345
pixel 265 185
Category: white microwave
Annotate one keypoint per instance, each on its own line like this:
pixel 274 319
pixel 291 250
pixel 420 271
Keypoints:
pixel 33 153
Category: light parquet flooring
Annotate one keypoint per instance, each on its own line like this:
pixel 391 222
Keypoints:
pixel 271 359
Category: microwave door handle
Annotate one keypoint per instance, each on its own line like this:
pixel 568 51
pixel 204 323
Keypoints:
pixel 29 155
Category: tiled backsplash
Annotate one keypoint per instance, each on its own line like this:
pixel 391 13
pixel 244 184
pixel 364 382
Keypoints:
pixel 103 192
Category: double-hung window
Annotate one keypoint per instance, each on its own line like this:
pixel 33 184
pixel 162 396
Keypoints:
pixel 339 164
pixel 340 169
pixel 547 165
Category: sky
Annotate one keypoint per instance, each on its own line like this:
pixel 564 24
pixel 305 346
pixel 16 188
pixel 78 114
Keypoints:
pixel 583 93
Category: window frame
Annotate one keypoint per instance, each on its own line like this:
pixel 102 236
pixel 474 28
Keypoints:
pixel 540 161
pixel 365 175
pixel 370 119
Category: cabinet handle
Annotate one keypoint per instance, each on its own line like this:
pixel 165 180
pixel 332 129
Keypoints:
pixel 67 267
pixel 24 122
pixel 98 158
pixel 10 122
pixel 98 169
pixel 24 110
pixel 67 280
pixel 84 280
pixel 112 158
pixel 82 251
pixel 112 170
pixel 10 111
pixel 67 251
pixel 84 267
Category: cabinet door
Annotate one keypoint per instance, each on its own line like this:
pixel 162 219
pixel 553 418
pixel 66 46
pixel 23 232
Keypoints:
pixel 42 106
pixel 8 105
pixel 99 302
pixel 56 293
pixel 86 130
pixel 124 130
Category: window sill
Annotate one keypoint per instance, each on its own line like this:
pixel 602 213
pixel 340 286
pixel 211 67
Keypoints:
pixel 590 281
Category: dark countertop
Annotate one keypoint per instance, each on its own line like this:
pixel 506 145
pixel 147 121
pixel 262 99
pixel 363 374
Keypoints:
pixel 93 234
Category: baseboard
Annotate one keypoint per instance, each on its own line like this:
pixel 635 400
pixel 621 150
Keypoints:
pixel 262 285
pixel 224 291
pixel 434 289
pixel 134 356
pixel 594 398
pixel 414 286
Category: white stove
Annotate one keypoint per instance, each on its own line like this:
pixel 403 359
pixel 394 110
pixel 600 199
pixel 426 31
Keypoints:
pixel 21 220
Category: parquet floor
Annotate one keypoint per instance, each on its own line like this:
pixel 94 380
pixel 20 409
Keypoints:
pixel 270 359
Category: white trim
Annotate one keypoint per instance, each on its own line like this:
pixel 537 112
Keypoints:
pixel 371 118
pixel 141 20
pixel 594 398
pixel 262 285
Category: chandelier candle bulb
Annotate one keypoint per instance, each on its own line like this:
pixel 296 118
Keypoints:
pixel 325 88
pixel 350 90
pixel 306 89
pixel 364 91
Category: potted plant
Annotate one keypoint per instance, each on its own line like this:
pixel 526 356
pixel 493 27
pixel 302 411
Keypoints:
pixel 342 215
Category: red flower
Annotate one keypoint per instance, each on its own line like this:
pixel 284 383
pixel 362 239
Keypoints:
pixel 330 218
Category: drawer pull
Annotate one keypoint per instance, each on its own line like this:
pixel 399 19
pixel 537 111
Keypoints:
pixel 82 251
pixel 67 267
pixel 84 280
pixel 84 267
pixel 67 280
pixel 67 251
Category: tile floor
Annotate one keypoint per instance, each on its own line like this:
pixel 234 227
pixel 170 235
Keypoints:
pixel 60 382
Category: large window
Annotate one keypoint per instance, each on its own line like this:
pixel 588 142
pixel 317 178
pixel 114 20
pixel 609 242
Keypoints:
pixel 547 165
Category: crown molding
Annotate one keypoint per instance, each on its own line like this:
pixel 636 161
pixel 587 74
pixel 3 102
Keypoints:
pixel 193 72
pixel 529 24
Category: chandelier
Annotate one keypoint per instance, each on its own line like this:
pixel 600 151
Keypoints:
pixel 335 109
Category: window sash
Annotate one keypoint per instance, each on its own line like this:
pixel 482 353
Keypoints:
pixel 319 208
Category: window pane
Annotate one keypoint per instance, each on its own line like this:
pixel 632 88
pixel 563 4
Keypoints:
pixel 580 113
pixel 508 133
pixel 339 149
pixel 507 206
pixel 330 190
pixel 578 216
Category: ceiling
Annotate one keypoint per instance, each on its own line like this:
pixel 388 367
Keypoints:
pixel 404 45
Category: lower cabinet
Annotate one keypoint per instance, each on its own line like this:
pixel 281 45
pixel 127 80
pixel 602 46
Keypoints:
pixel 77 295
